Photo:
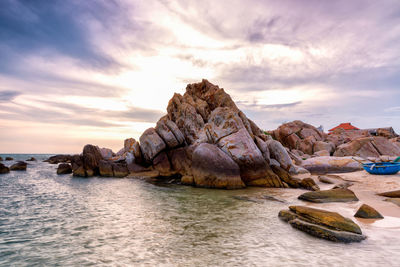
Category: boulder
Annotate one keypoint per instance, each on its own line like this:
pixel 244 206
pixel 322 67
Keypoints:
pixel 263 147
pixel 286 177
pixel 9 158
pixel 279 153
pixel 322 165
pixel 4 169
pixel 106 153
pixel 242 149
pixel 166 134
pixel 180 159
pixel 31 159
pixel 394 194
pixel 332 195
pixel 91 157
pixel 19 166
pixel 367 212
pixel 120 170
pixel 1 159
pixel 151 144
pixel 162 164
pixel 322 223
pixel 106 168
pixel 64 168
pixel 368 147
pixel 211 167
pixel 321 145
pixel 385 147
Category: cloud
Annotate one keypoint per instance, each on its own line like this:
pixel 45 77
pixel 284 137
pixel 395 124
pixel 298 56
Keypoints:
pixel 6 96
pixel 248 105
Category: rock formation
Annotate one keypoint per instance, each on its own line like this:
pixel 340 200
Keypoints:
pixel 332 195
pixel 204 139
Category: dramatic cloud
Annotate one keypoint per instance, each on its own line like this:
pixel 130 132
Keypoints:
pixel 73 72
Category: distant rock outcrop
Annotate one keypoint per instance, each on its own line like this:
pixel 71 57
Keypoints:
pixel 19 166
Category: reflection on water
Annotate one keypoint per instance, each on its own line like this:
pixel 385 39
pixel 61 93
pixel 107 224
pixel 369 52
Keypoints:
pixel 48 220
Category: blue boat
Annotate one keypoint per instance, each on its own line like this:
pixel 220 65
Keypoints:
pixel 382 167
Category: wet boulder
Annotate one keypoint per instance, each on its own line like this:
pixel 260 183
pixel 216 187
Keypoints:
pixel 9 158
pixel 19 166
pixel 331 195
pixel 368 212
pixel 212 168
pixel 120 170
pixel 322 224
pixel 59 159
pixel 4 169
pixel 31 159
pixel 64 168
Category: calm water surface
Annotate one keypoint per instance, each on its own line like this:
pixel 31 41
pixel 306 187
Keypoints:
pixel 50 220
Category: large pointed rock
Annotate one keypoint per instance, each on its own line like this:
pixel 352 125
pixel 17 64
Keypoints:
pixel 212 168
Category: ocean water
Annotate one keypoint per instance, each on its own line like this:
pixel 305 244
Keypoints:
pixel 51 220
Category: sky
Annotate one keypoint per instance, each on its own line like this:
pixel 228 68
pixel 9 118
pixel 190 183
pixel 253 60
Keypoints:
pixel 98 72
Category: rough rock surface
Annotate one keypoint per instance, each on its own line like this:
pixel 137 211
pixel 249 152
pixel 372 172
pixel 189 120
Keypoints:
pixel 368 147
pixel 279 153
pixel 213 168
pixel 19 166
pixel 64 168
pixel 323 224
pixel 4 169
pixel 332 195
pixel 368 212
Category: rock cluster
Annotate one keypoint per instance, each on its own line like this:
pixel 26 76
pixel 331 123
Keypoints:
pixel 204 139
pixel 323 224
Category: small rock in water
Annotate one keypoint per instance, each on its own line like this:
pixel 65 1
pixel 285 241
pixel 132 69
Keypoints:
pixel 4 169
pixel 31 159
pixel 19 166
pixel 9 158
pixel 1 159
pixel 395 194
pixel 368 212
pixel 332 195
pixel 272 198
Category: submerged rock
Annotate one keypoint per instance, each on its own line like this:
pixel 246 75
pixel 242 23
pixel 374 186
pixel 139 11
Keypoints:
pixel 213 168
pixel 19 166
pixel 332 195
pixel 64 168
pixel 31 159
pixel 9 158
pixel 394 194
pixel 367 212
pixel 323 224
pixel 4 169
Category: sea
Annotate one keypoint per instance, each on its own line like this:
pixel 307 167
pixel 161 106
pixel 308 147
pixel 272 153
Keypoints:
pixel 60 220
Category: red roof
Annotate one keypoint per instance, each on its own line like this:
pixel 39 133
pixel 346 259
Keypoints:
pixel 345 126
